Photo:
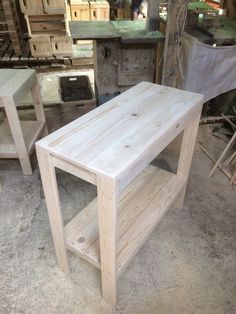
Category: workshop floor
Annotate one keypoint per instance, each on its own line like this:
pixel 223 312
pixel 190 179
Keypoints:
pixel 188 264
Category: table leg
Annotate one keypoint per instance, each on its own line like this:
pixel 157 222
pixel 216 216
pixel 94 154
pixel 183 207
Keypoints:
pixel 186 154
pixel 49 181
pixel 38 105
pixel 15 126
pixel 107 219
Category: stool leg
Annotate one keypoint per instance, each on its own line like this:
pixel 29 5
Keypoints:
pixel 107 216
pixel 14 122
pixel 186 154
pixel 38 105
pixel 49 181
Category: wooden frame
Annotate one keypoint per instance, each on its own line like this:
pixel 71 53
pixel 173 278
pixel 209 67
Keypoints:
pixel 132 195
pixel 17 137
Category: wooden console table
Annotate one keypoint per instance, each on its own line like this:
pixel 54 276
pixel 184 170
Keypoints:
pixel 112 147
pixel 17 137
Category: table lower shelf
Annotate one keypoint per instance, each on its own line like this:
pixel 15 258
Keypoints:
pixel 141 206
pixel 31 132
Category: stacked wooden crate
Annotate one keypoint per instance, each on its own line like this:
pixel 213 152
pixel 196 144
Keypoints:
pixel 47 22
pixel 10 26
pixel 84 10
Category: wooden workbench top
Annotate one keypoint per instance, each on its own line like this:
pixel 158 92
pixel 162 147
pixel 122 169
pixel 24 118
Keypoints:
pixel 115 136
pixel 126 31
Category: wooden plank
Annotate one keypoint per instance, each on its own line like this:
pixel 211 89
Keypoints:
pixel 152 21
pixel 47 25
pixel 75 170
pixel 54 6
pixel 49 182
pixel 141 207
pixel 223 154
pixel 31 131
pixel 31 7
pixel 132 128
pixel 174 29
pixel 107 196
pixel 16 83
pixel 186 154
pixel 17 134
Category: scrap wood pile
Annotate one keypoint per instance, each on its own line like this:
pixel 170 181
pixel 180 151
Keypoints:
pixel 226 161
pixel 10 28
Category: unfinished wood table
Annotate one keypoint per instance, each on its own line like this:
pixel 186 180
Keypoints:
pixel 17 137
pixel 112 147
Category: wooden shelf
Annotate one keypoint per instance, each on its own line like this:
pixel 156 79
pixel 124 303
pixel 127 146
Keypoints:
pixel 142 204
pixel 31 132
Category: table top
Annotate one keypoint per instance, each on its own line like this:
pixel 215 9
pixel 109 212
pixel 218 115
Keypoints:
pixel 126 31
pixel 111 138
pixel 15 83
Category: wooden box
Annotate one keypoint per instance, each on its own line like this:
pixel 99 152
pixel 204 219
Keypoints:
pixel 54 6
pixel 47 25
pixel 41 47
pixel 31 7
pixel 99 10
pixel 80 11
pixel 62 46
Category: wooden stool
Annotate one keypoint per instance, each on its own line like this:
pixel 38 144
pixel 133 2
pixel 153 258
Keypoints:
pixel 112 147
pixel 17 137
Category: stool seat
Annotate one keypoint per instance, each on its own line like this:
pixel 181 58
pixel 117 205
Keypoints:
pixel 17 137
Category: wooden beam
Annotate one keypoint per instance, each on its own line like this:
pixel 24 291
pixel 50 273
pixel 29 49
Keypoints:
pixel 152 22
pixel 177 10
pixel 230 6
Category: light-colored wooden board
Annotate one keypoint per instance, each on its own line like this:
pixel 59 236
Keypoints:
pixel 31 131
pixel 54 6
pixel 75 170
pixel 30 7
pixel 121 137
pixel 16 83
pixel 141 207
pixel 49 181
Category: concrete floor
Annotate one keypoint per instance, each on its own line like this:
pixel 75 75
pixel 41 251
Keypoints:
pixel 188 264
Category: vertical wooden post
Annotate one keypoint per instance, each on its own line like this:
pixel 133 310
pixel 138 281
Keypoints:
pixel 17 134
pixel 177 10
pixel 38 105
pixel 186 155
pixel 107 219
pixel 152 22
pixel 49 182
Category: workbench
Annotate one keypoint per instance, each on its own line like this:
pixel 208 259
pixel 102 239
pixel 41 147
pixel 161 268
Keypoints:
pixel 124 52
pixel 112 147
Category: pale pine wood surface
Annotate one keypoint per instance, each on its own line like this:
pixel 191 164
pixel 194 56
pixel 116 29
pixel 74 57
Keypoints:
pixel 141 206
pixel 16 83
pixel 112 137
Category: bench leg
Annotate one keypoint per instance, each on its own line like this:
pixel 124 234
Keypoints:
pixel 49 182
pixel 186 154
pixel 38 105
pixel 107 219
pixel 14 122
